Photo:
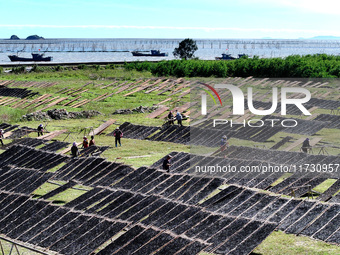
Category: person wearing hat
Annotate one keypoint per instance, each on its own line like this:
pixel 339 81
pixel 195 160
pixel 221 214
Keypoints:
pixel 2 136
pixel 40 130
pixel 85 142
pixel 305 145
pixel 92 143
pixel 224 143
pixel 179 118
pixel 118 134
pixel 74 150
pixel 166 163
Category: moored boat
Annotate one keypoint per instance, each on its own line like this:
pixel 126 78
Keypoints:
pixel 225 57
pixel 35 57
pixel 154 53
pixel 229 57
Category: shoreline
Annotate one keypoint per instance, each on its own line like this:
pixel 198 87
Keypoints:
pixel 68 63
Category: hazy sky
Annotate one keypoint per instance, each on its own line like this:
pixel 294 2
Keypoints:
pixel 169 18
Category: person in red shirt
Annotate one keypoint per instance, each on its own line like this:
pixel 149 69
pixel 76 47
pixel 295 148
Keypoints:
pixel 85 142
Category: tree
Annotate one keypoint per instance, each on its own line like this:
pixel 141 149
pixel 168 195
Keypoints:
pixel 186 49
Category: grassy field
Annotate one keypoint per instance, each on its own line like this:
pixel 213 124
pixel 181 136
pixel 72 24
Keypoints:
pixel 142 152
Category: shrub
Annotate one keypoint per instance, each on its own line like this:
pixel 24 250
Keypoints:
pixel 110 66
pixel 59 68
pixel 37 69
pixel 19 69
pixel 316 66
pixel 82 66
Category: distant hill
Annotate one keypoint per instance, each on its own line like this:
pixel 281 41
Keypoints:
pixel 35 37
pixel 319 37
pixel 326 37
pixel 14 37
pixel 31 37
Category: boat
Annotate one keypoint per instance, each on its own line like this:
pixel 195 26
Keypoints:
pixel 154 53
pixel 225 57
pixel 229 57
pixel 242 55
pixel 35 57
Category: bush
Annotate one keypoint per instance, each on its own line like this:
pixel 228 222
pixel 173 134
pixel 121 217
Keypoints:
pixel 82 66
pixel 37 69
pixel 309 66
pixel 110 66
pixel 19 69
pixel 59 68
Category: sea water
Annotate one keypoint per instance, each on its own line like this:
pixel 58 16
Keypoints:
pixel 118 50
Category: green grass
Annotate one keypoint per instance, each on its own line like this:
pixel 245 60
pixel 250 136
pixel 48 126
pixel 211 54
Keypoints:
pixel 62 197
pixel 279 243
pixel 8 247
pixel 66 196
pixel 84 74
pixel 11 115
pixel 76 79
pixel 46 187
pixel 146 152
pixel 106 106
pixel 322 187
pixel 281 179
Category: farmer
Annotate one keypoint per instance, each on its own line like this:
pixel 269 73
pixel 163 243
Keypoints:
pixel 170 118
pixel 2 136
pixel 92 143
pixel 74 150
pixel 305 145
pixel 166 163
pixel 179 118
pixel 224 143
pixel 85 142
pixel 40 130
pixel 118 134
